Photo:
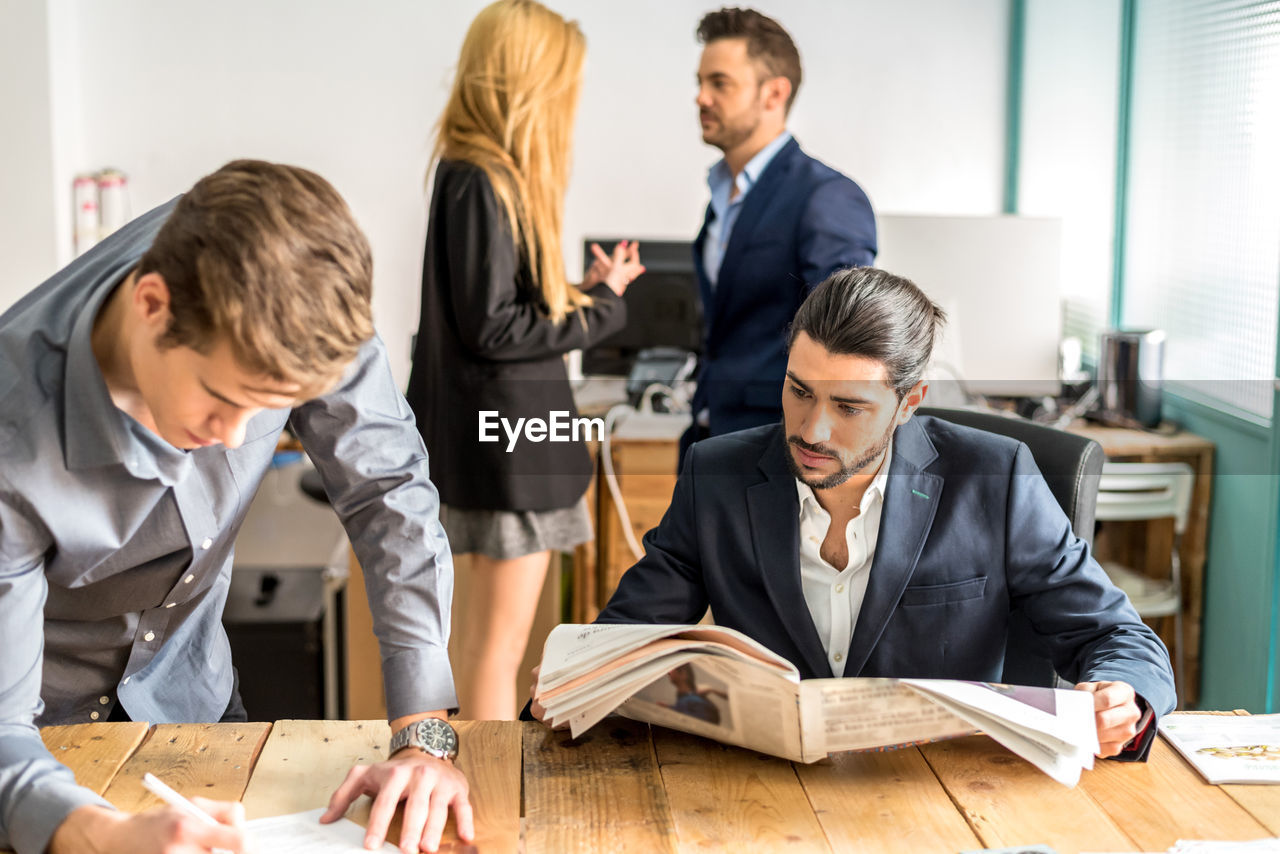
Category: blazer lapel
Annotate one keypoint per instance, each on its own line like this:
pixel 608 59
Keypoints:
pixel 910 502
pixel 700 269
pixel 754 206
pixel 773 508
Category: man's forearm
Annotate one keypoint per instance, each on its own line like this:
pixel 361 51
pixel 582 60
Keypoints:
pixel 37 792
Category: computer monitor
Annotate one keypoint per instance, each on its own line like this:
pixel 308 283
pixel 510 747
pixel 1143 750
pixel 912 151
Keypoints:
pixel 998 279
pixel 663 306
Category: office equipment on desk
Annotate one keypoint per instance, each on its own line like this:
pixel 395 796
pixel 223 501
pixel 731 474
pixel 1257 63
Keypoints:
pixel 664 368
pixel 663 306
pixel 1131 375
pixel 998 279
pixel 1140 492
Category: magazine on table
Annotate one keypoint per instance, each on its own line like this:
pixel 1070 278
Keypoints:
pixel 718 683
pixel 1227 748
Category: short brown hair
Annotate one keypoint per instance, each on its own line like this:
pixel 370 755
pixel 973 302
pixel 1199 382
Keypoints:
pixel 269 258
pixel 767 42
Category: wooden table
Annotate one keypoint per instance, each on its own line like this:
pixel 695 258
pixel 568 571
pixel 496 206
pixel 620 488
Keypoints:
pixel 626 787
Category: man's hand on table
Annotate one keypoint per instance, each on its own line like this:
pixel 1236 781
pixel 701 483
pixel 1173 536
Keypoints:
pixel 428 786
pixel 1115 713
pixel 98 830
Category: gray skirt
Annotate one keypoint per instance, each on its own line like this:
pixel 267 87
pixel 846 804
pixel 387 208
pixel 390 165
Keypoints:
pixel 506 534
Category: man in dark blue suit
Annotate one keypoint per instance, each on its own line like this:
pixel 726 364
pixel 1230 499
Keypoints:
pixel 857 540
pixel 778 221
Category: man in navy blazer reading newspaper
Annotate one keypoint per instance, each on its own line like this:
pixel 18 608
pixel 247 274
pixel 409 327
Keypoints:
pixel 859 539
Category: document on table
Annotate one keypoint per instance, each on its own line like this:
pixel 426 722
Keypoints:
pixel 1227 748
pixel 302 833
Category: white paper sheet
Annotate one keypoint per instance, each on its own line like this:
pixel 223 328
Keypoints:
pixel 302 833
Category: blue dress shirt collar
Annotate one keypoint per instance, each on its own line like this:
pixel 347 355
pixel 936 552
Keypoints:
pixel 720 180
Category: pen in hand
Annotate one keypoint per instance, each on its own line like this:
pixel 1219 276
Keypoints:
pixel 161 790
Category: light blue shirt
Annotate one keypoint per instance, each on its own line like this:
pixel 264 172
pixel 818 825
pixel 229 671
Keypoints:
pixel 116 547
pixel 724 210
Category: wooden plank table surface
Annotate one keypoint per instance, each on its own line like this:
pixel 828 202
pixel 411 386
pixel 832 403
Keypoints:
pixel 624 787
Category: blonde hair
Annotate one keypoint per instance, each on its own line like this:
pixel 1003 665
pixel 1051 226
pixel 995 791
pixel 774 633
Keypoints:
pixel 511 114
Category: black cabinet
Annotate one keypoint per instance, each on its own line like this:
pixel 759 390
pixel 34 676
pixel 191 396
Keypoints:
pixel 275 620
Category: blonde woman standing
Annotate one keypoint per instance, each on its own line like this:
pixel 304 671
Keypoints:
pixel 498 315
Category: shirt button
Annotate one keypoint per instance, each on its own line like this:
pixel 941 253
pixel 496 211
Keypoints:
pixel 839 588
pixel 207 542
pixel 149 636
pixel 104 700
pixel 93 716
pixel 838 657
pixel 188 579
pixel 171 604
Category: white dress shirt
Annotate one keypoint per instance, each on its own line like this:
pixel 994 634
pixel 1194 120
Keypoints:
pixel 835 596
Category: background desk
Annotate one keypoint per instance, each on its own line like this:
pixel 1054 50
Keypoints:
pixel 625 787
pixel 646 475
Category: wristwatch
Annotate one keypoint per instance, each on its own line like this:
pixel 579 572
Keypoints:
pixel 430 735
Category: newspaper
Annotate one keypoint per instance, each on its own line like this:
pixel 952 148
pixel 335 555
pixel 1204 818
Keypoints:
pixel 718 683
pixel 1227 748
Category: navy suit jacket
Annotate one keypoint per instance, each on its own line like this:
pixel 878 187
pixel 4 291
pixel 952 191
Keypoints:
pixel 969 531
pixel 799 223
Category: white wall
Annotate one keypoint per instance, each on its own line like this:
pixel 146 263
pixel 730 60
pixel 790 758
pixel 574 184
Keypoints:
pixel 905 97
pixel 26 176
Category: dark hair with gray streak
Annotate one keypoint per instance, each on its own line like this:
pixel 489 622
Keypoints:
pixel 867 312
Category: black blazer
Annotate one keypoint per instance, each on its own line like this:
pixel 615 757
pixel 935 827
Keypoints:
pixel 485 343
pixel 801 222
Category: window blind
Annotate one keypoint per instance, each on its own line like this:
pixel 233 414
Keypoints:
pixel 1202 253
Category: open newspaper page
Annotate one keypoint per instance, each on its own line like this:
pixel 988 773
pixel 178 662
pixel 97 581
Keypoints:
pixel 732 700
pixel 1227 748
pixel 579 685
pixel 865 714
pixel 573 650
pixel 718 683
pixel 1053 729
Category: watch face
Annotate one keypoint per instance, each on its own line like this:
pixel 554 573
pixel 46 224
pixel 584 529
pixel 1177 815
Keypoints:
pixel 438 738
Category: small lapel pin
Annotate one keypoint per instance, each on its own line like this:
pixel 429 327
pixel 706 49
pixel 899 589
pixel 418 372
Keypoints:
pixel 921 494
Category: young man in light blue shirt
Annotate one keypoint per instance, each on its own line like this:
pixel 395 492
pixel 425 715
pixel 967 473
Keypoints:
pixel 142 391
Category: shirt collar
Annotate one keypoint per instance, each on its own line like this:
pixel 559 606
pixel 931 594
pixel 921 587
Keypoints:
pixel 875 490
pixel 719 178
pixel 98 433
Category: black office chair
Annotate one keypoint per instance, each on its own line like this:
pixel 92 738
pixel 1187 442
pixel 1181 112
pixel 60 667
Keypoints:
pixel 1071 465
